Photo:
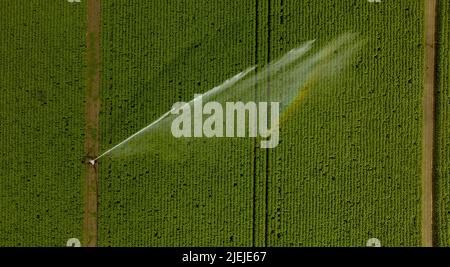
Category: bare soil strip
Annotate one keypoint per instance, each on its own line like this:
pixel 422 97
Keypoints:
pixel 92 141
pixel 429 123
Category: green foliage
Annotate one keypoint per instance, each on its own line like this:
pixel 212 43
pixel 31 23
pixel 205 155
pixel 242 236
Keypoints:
pixel 442 190
pixel 348 167
pixel 42 46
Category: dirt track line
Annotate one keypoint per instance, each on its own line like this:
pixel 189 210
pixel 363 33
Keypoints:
pixel 429 123
pixel 92 130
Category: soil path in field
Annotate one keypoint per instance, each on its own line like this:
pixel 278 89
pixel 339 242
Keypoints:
pixel 429 123
pixel 92 141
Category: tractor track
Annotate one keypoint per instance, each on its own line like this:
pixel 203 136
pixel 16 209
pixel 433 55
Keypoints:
pixel 92 129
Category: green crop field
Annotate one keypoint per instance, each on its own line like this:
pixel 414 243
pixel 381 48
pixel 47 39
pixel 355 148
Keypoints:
pixel 443 130
pixel 355 144
pixel 150 62
pixel 42 85
pixel 337 177
pixel 347 168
